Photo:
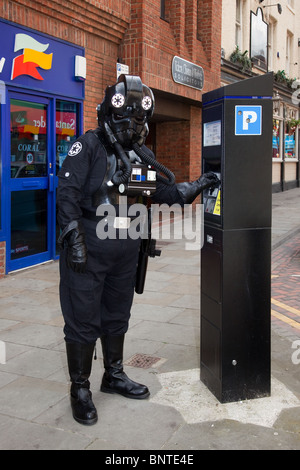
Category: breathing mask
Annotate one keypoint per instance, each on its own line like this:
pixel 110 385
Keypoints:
pixel 123 115
pixel 126 108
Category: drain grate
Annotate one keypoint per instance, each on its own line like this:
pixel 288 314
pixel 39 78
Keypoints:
pixel 142 360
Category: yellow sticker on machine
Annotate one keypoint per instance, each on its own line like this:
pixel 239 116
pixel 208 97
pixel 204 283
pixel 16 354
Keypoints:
pixel 217 208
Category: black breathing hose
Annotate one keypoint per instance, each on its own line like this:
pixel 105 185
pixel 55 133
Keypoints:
pixel 158 166
pixel 122 176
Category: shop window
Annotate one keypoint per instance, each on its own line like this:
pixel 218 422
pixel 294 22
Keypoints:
pixel 28 128
pixel 276 139
pixel 290 142
pixel 66 124
pixel 28 223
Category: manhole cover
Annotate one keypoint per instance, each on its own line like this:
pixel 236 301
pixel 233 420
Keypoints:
pixel 142 360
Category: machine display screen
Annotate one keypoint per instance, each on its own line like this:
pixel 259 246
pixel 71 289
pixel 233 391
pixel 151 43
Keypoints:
pixel 212 133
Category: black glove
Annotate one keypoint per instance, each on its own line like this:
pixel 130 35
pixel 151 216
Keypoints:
pixel 77 252
pixel 74 237
pixel 207 180
pixel 190 190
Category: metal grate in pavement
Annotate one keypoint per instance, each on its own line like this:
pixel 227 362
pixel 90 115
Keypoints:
pixel 143 361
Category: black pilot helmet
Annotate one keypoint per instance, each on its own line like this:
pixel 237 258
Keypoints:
pixel 126 108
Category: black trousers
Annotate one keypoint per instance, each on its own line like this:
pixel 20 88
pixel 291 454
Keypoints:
pixel 99 301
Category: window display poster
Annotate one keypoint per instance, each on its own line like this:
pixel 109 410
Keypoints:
pixel 276 138
pixel 289 146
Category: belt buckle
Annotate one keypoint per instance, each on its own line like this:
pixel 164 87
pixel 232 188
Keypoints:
pixel 122 222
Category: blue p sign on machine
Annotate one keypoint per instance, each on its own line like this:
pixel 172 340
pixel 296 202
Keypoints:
pixel 248 120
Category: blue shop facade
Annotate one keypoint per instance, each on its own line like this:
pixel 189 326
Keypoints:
pixel 41 114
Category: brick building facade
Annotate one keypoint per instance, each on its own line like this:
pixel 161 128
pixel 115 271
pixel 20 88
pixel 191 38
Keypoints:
pixel 145 36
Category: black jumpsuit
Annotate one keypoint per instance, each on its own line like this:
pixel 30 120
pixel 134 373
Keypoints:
pixel 98 301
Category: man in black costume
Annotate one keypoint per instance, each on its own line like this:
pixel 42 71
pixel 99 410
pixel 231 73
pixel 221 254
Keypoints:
pixel 97 276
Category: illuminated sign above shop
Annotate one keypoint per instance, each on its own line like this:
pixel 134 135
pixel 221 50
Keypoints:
pixel 37 61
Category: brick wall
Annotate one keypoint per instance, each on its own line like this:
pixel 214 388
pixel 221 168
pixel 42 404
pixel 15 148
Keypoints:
pixel 178 146
pixel 133 31
pixel 172 147
pixel 192 30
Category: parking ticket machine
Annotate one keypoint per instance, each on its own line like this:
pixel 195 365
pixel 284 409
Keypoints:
pixel 236 253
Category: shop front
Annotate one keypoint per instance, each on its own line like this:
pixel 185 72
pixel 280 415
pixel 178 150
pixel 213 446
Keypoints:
pixel 285 144
pixel 42 93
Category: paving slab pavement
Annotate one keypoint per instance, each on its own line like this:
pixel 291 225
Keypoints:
pixel 162 350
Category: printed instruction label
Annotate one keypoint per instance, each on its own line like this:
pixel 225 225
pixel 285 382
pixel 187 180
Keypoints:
pixel 217 208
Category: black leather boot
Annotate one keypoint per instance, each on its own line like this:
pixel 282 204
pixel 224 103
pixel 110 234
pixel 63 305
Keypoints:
pixel 114 379
pixel 80 358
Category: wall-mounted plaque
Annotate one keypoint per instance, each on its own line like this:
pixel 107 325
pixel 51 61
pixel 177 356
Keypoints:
pixel 187 73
